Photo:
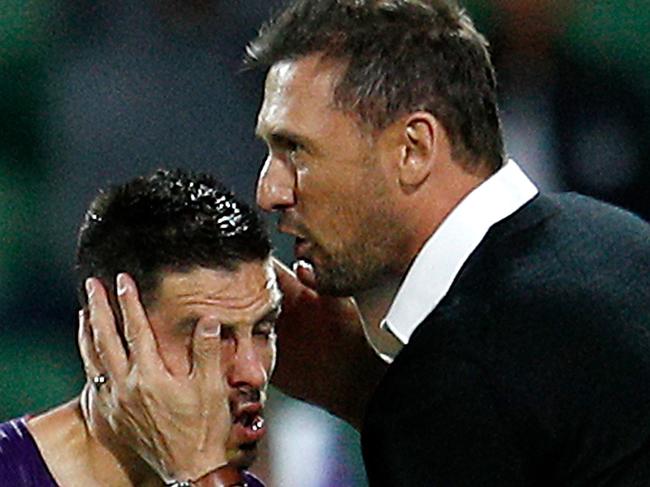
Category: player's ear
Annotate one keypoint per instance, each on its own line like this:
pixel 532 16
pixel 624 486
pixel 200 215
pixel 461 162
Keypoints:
pixel 420 131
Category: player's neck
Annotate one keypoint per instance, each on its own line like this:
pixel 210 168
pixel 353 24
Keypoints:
pixel 79 449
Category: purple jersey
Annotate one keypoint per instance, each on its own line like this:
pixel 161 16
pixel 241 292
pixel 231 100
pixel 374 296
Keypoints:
pixel 252 481
pixel 21 463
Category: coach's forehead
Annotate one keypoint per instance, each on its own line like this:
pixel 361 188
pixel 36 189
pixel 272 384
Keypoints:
pixel 294 91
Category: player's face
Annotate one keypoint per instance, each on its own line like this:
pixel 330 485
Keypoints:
pixel 323 176
pixel 245 302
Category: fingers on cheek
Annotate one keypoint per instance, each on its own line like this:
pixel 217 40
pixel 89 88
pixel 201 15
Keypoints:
pixel 141 391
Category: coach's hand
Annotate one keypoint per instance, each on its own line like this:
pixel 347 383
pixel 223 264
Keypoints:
pixel 178 424
pixel 324 358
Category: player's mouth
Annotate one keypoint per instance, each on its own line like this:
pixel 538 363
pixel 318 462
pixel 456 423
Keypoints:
pixel 248 422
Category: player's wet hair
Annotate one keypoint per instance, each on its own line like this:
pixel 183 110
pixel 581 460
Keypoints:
pixel 169 221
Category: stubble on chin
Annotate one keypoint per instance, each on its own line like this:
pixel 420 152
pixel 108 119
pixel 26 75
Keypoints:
pixel 374 256
pixel 242 458
pixel 354 271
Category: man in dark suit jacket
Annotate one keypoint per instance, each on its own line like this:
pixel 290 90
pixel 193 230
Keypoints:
pixel 533 370
pixel 496 336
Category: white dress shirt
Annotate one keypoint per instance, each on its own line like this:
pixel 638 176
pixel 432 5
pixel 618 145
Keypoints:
pixel 438 263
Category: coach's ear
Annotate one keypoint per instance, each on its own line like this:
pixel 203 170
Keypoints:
pixel 420 134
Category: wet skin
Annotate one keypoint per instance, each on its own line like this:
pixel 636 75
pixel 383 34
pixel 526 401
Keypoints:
pixel 326 177
pixel 245 302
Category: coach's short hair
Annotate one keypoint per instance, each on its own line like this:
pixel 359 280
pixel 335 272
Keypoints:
pixel 170 221
pixel 401 56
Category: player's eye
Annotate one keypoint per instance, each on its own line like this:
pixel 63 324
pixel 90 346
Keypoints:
pixel 227 332
pixel 265 330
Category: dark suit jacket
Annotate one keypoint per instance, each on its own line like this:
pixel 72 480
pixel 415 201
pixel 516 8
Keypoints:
pixel 535 368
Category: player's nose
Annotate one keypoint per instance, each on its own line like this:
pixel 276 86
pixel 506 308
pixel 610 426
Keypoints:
pixel 247 367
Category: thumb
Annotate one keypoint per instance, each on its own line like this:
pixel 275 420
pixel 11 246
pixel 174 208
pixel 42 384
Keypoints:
pixel 206 348
pixel 293 290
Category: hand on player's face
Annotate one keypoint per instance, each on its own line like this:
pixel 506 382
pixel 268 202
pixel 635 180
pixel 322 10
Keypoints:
pixel 192 366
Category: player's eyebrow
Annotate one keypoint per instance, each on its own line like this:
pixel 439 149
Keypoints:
pixel 272 315
pixel 187 324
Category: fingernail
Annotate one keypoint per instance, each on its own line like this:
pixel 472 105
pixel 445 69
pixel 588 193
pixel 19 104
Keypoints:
pixel 121 284
pixel 90 287
pixel 211 331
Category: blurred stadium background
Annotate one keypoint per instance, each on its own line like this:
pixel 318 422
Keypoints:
pixel 93 93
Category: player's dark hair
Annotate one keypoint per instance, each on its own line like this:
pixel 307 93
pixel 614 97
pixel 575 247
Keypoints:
pixel 401 56
pixel 170 221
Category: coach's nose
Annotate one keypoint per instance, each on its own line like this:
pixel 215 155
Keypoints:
pixel 276 185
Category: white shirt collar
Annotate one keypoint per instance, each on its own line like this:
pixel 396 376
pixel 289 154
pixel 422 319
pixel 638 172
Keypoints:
pixel 439 261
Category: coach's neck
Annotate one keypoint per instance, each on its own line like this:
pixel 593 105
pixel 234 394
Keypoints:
pixel 424 183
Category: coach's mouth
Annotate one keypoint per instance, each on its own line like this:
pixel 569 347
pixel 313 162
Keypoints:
pixel 300 248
